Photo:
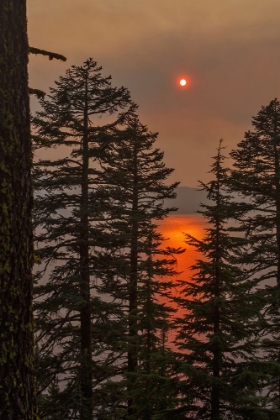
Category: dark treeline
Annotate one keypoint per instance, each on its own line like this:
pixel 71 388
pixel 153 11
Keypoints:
pixel 104 301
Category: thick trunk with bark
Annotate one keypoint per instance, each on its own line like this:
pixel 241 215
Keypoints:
pixel 17 381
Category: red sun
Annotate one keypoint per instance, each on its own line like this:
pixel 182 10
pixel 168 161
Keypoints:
pixel 183 82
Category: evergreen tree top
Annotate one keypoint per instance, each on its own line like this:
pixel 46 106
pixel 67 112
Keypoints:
pixel 267 121
pixel 75 105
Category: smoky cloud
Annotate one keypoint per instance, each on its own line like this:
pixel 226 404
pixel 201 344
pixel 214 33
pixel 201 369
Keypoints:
pixel 229 50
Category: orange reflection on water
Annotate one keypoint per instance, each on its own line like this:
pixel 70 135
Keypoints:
pixel 174 227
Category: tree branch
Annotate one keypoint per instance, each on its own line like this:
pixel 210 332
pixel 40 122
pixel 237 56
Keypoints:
pixel 51 55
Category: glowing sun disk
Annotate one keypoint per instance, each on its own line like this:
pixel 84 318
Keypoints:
pixel 183 82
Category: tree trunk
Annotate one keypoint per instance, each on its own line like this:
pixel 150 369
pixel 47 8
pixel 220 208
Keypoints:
pixel 86 350
pixel 216 391
pixel 277 205
pixel 17 392
pixel 132 323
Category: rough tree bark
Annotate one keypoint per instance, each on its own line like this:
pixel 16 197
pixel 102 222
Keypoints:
pixel 17 384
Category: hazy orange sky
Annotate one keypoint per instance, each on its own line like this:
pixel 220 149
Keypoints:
pixel 229 49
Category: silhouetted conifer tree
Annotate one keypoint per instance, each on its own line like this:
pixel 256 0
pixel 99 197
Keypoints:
pixel 71 318
pixel 135 263
pixel 256 179
pixel 216 336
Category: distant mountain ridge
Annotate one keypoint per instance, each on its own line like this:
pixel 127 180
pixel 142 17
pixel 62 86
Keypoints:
pixel 188 200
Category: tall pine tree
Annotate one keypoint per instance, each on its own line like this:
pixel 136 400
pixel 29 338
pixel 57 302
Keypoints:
pixel 216 335
pixel 135 262
pixel 70 316
pixel 256 178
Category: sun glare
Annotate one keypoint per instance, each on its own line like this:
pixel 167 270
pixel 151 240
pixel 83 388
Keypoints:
pixel 183 82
